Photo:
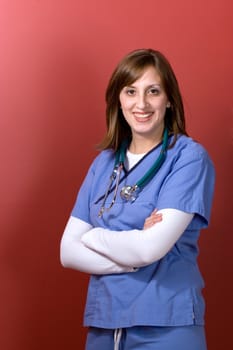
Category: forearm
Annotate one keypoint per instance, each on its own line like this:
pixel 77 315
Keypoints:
pixel 74 254
pixel 139 247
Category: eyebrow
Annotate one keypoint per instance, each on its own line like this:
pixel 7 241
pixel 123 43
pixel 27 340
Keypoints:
pixel 149 86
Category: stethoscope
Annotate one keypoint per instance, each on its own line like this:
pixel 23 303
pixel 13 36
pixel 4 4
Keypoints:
pixel 130 193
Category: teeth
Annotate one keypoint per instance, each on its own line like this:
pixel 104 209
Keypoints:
pixel 143 115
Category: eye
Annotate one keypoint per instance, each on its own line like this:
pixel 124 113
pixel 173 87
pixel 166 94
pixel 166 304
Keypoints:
pixel 130 91
pixel 153 91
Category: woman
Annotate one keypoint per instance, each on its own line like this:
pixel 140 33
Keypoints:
pixel 138 215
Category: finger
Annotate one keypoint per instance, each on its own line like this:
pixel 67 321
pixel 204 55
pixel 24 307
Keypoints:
pixel 154 211
pixel 156 217
pixel 149 222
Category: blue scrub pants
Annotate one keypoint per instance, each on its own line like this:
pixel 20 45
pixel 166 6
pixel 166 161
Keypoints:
pixel 148 338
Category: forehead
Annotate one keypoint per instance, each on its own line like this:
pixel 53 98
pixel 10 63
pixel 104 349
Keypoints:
pixel 148 76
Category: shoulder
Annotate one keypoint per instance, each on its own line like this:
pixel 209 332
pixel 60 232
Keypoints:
pixel 189 149
pixel 103 158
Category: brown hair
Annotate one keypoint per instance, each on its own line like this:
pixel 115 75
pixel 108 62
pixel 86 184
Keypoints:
pixel 127 72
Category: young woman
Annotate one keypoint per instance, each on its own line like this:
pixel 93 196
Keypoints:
pixel 138 216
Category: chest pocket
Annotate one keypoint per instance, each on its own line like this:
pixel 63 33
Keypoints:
pixel 125 215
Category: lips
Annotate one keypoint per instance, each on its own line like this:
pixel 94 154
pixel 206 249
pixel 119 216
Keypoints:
pixel 142 117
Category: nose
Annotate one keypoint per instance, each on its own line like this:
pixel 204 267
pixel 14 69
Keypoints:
pixel 141 102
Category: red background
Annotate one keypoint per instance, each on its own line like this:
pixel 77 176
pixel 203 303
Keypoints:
pixel 55 61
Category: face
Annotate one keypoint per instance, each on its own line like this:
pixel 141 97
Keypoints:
pixel 144 105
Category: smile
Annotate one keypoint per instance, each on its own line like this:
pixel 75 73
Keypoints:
pixel 142 116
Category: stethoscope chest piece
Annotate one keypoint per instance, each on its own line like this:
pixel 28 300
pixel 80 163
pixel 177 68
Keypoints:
pixel 129 193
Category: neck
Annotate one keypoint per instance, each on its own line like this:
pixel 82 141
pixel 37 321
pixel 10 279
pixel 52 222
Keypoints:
pixel 141 145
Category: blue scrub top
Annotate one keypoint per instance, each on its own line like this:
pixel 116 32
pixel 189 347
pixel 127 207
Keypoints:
pixel 166 292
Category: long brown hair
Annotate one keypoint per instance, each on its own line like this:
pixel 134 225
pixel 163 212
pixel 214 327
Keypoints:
pixel 131 68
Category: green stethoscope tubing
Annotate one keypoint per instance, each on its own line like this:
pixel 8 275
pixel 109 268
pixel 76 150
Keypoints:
pixel 120 158
pixel 130 193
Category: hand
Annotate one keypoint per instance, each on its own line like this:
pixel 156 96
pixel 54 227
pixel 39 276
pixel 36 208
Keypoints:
pixel 152 219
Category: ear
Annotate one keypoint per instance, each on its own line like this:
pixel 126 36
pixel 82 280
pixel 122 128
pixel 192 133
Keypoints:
pixel 168 104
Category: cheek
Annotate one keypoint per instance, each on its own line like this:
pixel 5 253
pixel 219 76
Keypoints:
pixel 126 105
pixel 125 102
pixel 162 106
pixel 121 100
